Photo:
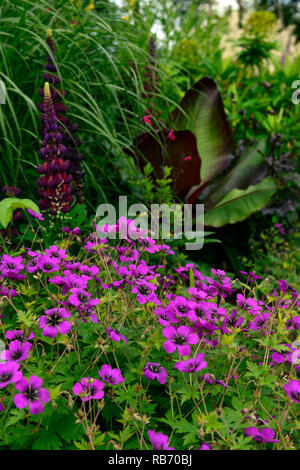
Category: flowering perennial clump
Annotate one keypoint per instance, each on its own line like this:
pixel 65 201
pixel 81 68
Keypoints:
pixel 130 351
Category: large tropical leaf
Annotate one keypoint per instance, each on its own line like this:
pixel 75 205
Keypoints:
pixel 239 204
pixel 249 170
pixel 180 154
pixel 202 112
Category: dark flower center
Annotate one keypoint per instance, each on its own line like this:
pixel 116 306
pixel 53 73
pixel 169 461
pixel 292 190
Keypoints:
pixel 144 290
pixel 178 339
pixel 47 266
pixel 182 309
pixel 199 312
pixel 296 395
pixel 82 297
pixel 5 377
pixel 154 369
pixel 54 319
pixel 31 393
pixel 16 354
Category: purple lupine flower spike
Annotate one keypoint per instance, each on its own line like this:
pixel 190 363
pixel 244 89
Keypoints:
pixel 55 186
pixel 67 129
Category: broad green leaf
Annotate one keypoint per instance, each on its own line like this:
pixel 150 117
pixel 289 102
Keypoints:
pixel 239 204
pixel 9 204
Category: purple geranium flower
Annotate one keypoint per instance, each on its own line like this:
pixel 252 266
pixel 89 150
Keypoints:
pixel 205 446
pixel 165 249
pixel 54 320
pixel 149 244
pixel 182 308
pixel 293 390
pixel 11 267
pixel 251 276
pixel 80 297
pixel 89 388
pixel 20 335
pixel 47 264
pixel 34 214
pixel 265 435
pixel 165 316
pixel 153 370
pixel 259 322
pixel 159 441
pixel 56 252
pixel 115 335
pixel 230 322
pixel 248 304
pixel 110 375
pixel 9 373
pixel 192 364
pixel 32 394
pixel 179 338
pixel 145 292
pixel 17 351
pixel 211 380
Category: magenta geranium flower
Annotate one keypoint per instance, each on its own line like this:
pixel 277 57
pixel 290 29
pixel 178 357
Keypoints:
pixel 47 264
pixel 149 244
pixel 165 249
pixel 211 380
pixel 248 304
pixel 230 322
pixel 179 338
pixel 16 351
pixel 110 375
pixel 192 364
pixel 259 322
pixel 182 308
pixel 165 316
pixel 10 267
pixel 251 276
pixel 56 252
pixel 54 321
pixel 34 214
pixel 89 388
pixel 20 335
pixel 32 394
pixel 9 373
pixel 115 335
pixel 153 370
pixel 205 446
pixel 145 292
pixel 80 297
pixel 265 435
pixel 293 390
pixel 159 441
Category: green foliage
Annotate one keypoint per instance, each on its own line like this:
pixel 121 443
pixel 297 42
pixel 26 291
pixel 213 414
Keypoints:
pixel 8 205
pixel 260 23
